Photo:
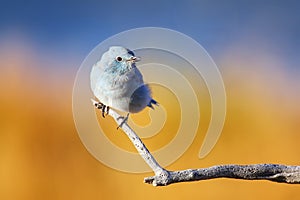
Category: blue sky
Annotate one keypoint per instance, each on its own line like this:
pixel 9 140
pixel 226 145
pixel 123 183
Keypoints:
pixel 76 27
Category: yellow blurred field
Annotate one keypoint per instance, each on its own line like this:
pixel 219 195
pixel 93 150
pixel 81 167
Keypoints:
pixel 42 157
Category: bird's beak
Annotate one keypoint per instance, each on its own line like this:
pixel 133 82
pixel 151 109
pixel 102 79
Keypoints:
pixel 134 59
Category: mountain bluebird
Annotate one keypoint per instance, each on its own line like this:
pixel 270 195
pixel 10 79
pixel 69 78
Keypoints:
pixel 117 83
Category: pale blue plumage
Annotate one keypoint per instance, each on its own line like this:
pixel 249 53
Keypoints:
pixel 117 83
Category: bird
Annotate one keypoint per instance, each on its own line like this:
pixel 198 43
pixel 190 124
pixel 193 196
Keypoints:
pixel 117 83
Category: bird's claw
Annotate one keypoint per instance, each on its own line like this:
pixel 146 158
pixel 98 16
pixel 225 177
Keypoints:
pixel 123 121
pixel 105 111
pixel 102 107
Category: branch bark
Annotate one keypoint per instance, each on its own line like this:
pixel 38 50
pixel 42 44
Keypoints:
pixel 163 177
pixel 271 172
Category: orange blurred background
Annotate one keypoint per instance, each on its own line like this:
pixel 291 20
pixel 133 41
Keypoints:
pixel 42 157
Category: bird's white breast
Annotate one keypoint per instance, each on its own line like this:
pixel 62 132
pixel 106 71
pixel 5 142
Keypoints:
pixel 115 90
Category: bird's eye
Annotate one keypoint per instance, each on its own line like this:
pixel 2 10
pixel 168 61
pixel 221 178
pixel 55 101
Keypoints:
pixel 119 59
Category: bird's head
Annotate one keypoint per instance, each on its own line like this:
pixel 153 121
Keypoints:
pixel 119 59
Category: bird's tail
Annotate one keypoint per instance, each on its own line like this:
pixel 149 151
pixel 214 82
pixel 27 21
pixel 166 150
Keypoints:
pixel 151 103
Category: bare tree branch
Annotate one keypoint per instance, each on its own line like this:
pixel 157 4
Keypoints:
pixel 271 172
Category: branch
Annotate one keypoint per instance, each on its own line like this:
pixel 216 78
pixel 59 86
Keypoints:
pixel 271 172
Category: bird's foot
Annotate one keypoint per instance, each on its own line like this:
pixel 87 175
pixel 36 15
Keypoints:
pixel 102 107
pixel 123 121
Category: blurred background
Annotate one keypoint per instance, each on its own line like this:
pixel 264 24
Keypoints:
pixel 255 44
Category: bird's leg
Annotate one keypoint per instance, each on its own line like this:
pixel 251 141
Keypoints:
pixel 124 120
pixel 107 110
pixel 102 107
pixel 103 110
